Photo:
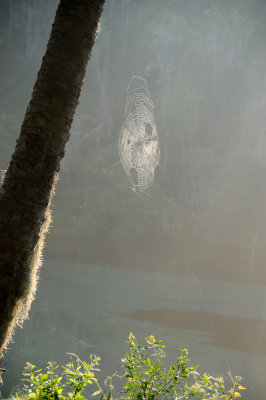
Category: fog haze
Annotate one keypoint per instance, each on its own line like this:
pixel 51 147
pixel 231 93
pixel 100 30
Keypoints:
pixel 202 222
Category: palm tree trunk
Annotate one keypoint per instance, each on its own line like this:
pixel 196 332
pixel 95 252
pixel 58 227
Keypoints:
pixel 28 184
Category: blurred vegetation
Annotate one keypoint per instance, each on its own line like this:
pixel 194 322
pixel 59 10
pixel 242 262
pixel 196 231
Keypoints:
pixel 204 62
pixel 144 378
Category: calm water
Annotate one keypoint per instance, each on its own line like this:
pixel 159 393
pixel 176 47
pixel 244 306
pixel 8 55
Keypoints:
pixel 91 309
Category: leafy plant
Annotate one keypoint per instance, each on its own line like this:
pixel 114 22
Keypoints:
pixel 50 385
pixel 145 378
pixel 148 379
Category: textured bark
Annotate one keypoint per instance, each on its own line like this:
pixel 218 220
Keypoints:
pixel 28 184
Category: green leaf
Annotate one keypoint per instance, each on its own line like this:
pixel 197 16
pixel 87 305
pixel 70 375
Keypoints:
pixel 44 377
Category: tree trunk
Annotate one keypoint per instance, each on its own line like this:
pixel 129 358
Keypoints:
pixel 28 184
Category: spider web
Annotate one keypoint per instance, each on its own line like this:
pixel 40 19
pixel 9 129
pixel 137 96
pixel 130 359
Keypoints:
pixel 138 142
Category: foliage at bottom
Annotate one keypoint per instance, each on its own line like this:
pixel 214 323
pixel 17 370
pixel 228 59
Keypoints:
pixel 145 377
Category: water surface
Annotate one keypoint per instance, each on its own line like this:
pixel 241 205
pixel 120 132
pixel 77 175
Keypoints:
pixel 91 309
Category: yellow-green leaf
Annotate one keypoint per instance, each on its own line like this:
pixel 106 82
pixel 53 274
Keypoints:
pixel 95 393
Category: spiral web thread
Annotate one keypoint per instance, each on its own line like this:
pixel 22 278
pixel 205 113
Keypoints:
pixel 138 142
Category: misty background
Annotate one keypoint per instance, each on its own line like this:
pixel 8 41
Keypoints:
pixel 186 259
